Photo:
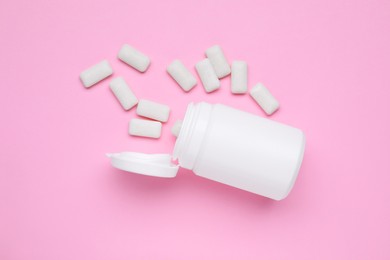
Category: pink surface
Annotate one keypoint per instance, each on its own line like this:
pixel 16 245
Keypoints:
pixel 327 62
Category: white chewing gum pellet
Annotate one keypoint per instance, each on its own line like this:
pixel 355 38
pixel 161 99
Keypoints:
pixel 207 75
pixel 134 58
pixel 181 75
pixel 264 98
pixel 145 128
pixel 218 60
pixel 96 73
pixel 153 110
pixel 123 93
pixel 239 77
pixel 176 128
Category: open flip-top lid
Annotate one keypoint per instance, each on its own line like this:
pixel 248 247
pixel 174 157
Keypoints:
pixel 157 165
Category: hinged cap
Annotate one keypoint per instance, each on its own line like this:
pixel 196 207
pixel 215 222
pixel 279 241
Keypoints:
pixel 157 165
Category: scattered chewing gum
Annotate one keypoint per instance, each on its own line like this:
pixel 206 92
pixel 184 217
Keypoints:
pixel 153 110
pixel 239 80
pixel 218 60
pixel 175 130
pixel 123 93
pixel 207 75
pixel 96 73
pixel 145 128
pixel 181 75
pixel 134 58
pixel 264 98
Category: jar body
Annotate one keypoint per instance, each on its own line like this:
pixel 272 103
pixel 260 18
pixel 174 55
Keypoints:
pixel 248 152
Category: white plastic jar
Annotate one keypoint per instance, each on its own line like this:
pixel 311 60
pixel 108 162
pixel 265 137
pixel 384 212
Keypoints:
pixel 229 146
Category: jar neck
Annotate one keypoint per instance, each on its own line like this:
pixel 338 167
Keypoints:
pixel 192 133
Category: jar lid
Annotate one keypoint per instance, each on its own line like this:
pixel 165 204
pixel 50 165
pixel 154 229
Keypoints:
pixel 157 165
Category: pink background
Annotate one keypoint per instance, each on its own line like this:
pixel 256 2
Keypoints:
pixel 327 62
